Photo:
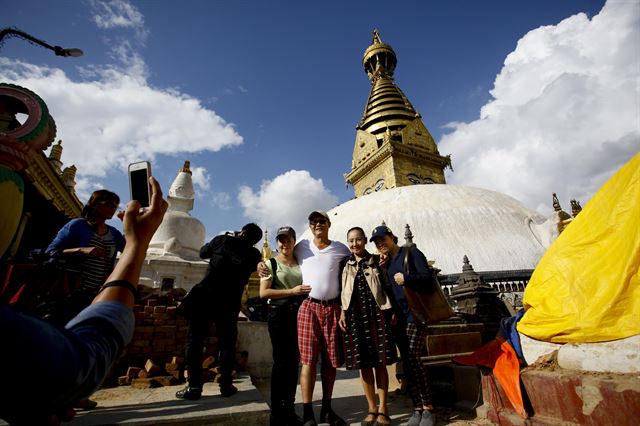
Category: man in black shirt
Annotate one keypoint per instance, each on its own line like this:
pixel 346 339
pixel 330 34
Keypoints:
pixel 216 299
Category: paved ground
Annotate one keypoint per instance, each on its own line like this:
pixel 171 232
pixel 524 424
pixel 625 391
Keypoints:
pixel 125 405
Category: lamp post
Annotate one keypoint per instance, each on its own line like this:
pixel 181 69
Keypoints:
pixel 60 51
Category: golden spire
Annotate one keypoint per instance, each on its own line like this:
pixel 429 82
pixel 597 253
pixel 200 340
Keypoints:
pixel 393 147
pixel 266 250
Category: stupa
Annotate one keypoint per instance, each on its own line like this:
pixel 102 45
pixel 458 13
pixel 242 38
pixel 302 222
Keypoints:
pixel 173 259
pixel 398 178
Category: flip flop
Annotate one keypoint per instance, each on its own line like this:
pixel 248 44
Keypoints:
pixel 371 422
pixel 384 416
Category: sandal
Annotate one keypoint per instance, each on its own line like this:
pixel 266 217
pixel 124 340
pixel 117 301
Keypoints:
pixel 370 422
pixel 385 417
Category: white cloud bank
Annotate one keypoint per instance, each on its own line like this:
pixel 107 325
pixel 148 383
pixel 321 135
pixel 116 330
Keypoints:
pixel 114 117
pixel 286 200
pixel 565 113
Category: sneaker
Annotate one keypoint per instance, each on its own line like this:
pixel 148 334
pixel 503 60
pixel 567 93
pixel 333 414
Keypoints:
pixel 427 419
pixel 227 391
pixel 415 419
pixel 189 393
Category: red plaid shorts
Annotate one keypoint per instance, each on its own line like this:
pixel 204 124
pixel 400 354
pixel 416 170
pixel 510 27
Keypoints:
pixel 318 333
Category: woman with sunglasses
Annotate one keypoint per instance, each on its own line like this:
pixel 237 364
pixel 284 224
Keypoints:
pixel 92 244
pixel 366 323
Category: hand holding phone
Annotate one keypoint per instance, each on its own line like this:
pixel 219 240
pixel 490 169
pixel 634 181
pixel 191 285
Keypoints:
pixel 139 174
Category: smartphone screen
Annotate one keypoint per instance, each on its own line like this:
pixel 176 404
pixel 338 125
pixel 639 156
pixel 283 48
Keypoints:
pixel 139 181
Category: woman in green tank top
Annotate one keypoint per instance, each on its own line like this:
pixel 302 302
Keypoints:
pixel 284 289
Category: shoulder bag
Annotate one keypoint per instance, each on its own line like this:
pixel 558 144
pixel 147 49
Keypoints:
pixel 428 303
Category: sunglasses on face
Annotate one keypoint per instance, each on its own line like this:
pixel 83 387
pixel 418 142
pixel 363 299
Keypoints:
pixel 108 203
pixel 318 222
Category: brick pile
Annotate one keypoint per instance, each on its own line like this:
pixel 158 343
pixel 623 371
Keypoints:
pixel 159 340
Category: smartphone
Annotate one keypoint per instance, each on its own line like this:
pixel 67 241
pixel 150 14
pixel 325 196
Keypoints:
pixel 139 174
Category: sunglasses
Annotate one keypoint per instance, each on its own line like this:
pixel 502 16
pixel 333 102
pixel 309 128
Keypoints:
pixel 318 222
pixel 109 203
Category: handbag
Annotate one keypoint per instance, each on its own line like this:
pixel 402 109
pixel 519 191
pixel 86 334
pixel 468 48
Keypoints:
pixel 428 303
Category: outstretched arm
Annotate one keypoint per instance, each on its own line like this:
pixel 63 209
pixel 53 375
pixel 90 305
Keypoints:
pixel 139 225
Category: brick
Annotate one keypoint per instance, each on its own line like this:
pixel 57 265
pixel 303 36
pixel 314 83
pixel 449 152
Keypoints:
pixel 142 374
pixel 148 310
pixel 177 360
pixel 144 383
pixel 152 368
pixel 166 380
pixel 208 362
pixel 159 309
pixel 152 302
pixel 132 372
pixel 124 381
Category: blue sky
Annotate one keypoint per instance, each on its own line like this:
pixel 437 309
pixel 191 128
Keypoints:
pixel 529 97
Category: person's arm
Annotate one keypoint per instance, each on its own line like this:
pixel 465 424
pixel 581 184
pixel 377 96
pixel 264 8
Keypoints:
pixel 139 226
pixel 419 273
pixel 266 292
pixel 68 241
pixel 206 251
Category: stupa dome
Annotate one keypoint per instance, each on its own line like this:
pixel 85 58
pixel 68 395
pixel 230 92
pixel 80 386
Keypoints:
pixel 450 221
pixel 179 234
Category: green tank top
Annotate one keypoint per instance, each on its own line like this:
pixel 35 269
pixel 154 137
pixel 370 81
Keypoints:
pixel 286 277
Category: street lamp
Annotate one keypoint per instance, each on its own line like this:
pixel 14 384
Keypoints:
pixel 57 49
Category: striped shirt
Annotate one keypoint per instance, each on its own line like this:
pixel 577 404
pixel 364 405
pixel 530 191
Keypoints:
pixel 95 269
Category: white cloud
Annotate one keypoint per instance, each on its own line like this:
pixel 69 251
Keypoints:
pixel 286 200
pixel 565 113
pixel 222 200
pixel 113 117
pixel 200 178
pixel 119 14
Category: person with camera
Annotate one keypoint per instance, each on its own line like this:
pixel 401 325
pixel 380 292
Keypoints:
pixel 217 299
pixel 285 291
pixel 50 367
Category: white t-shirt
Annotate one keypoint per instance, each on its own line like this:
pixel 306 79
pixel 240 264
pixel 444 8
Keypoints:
pixel 320 268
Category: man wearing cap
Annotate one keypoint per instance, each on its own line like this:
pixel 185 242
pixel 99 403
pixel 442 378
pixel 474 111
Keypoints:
pixel 318 316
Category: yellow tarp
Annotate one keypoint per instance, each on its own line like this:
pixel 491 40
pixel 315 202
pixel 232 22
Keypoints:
pixel 586 287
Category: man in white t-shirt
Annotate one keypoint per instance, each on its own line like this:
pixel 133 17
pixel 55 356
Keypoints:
pixel 318 316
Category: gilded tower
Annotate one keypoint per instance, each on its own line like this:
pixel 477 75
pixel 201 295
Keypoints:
pixel 393 147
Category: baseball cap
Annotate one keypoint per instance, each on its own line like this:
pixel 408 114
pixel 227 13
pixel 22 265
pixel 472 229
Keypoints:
pixel 286 230
pixel 380 231
pixel 317 213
